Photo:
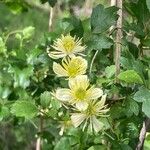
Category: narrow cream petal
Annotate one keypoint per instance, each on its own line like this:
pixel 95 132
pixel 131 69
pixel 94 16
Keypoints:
pixel 56 55
pixel 85 124
pixel 94 93
pixel 91 125
pixel 59 47
pixel 77 119
pixel 59 70
pixel 63 95
pixel 97 125
pixel 101 103
pixel 103 111
pixel 78 49
pixel 81 106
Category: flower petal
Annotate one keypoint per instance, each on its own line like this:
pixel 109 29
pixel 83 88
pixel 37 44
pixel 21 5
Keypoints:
pixel 97 125
pixel 101 103
pixel 59 70
pixel 80 81
pixel 81 106
pixel 94 93
pixel 56 55
pixel 63 95
pixel 77 119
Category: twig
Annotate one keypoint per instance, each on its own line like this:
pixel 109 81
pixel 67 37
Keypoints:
pixel 145 128
pixel 50 19
pixel 118 39
pixel 93 61
pixel 38 142
pixel 11 33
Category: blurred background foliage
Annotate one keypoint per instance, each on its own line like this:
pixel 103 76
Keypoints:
pixel 26 76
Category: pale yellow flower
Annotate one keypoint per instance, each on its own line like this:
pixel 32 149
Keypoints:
pixel 89 116
pixel 71 67
pixel 66 46
pixel 79 92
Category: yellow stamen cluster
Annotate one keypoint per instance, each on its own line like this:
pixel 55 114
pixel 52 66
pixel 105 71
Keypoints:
pixel 80 95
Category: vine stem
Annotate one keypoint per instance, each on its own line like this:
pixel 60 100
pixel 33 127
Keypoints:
pixel 41 122
pixel 144 129
pixel 93 61
pixel 118 39
pixel 50 19
pixel 38 142
pixel 11 33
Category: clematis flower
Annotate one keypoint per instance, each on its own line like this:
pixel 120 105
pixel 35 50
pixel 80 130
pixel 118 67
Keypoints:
pixel 66 46
pixel 89 116
pixel 71 67
pixel 79 92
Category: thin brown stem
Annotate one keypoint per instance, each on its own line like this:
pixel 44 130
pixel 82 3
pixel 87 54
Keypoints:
pixel 118 39
pixel 39 141
pixel 145 128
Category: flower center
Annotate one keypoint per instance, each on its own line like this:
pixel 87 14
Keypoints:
pixel 68 43
pixel 72 71
pixel 80 94
pixel 73 68
pixel 91 110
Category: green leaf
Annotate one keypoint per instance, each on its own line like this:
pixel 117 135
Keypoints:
pixel 99 42
pixel 146 107
pixel 147 141
pixel 148 4
pixel 21 76
pixel 24 109
pixel 4 112
pixel 142 95
pixel 97 147
pixel 28 32
pixel 139 10
pixel 17 6
pixel 146 42
pixel 130 76
pixel 4 92
pixel 2 46
pixel 110 71
pixel 75 26
pixel 45 99
pixel 132 107
pixel 103 18
pixel 63 144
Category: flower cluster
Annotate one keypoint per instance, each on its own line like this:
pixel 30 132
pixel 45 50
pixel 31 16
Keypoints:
pixel 81 96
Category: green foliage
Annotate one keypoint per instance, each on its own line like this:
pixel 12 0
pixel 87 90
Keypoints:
pixel 45 99
pixel 143 96
pixel 103 18
pixel 130 76
pixel 27 80
pixel 110 71
pixel 63 144
pixel 28 32
pixel 148 4
pixel 99 42
pixel 24 109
